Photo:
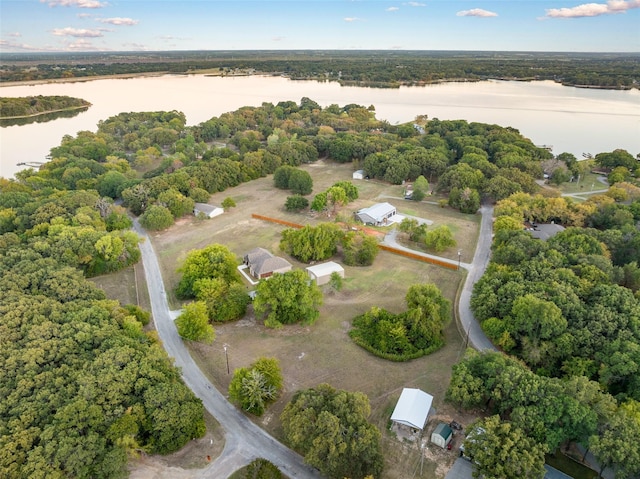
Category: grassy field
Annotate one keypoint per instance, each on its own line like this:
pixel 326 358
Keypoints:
pixel 323 352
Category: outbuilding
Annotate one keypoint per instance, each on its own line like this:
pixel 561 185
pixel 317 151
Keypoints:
pixel 209 211
pixel 442 435
pixel 358 175
pixel 378 214
pixel 321 273
pixel 412 408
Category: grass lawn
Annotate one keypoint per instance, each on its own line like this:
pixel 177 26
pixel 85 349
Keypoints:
pixel 588 182
pixel 323 352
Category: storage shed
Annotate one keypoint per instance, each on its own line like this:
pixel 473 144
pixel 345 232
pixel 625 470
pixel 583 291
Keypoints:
pixel 210 211
pixel 358 175
pixel 442 435
pixel 321 273
pixel 412 408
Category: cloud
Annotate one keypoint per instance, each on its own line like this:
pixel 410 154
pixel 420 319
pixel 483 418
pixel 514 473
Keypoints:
pixel 392 9
pixel 9 45
pixel 118 21
pixel 415 4
pixel 82 45
pixel 75 3
pixel 14 34
pixel 84 15
pixel 592 9
pixel 277 39
pixel 352 19
pixel 476 12
pixel 77 32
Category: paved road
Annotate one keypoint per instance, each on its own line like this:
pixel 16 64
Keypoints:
pixel 244 441
pixel 476 268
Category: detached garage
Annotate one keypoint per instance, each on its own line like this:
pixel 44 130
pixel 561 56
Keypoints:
pixel 321 273
pixel 412 408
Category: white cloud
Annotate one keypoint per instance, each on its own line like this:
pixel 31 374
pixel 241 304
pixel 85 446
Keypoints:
pixel 352 19
pixel 118 21
pixel 14 34
pixel 77 32
pixel 392 9
pixel 8 45
pixel 415 4
pixel 277 39
pixel 592 9
pixel 84 15
pixel 82 45
pixel 75 3
pixel 476 12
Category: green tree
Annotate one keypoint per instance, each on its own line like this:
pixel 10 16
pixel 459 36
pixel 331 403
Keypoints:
pixel 439 238
pixel 329 427
pixel 228 203
pixel 359 248
pixel 288 298
pixel 156 218
pixel 319 202
pixel 213 261
pixel 193 323
pixel 300 182
pixel 296 203
pixel 257 386
pixel 225 301
pixel 501 450
pixel 261 469
pixel 311 243
pixel 420 188
pixel 178 204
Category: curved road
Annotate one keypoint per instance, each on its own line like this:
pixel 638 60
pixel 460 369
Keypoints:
pixel 244 441
pixel 475 269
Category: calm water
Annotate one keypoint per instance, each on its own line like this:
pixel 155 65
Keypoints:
pixel 571 119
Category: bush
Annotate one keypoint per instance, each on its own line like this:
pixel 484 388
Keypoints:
pixel 296 203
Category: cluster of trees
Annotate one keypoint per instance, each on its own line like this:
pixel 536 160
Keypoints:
pixel 287 298
pixel 438 239
pixel 340 194
pixel 318 243
pixel 408 335
pixel 536 414
pixel 83 385
pixel 210 276
pixel 383 69
pixel 37 105
pixel 260 469
pixel 257 386
pixel 287 177
pixel 329 427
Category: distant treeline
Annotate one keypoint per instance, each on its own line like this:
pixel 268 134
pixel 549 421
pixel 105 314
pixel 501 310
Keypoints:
pixel 38 105
pixel 384 69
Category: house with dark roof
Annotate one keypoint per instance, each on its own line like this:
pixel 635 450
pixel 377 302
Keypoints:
pixel 263 264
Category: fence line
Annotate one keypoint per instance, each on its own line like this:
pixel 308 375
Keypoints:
pixel 276 220
pixel 418 257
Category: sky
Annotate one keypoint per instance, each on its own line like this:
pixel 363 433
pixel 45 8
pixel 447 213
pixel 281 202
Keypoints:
pixel 160 25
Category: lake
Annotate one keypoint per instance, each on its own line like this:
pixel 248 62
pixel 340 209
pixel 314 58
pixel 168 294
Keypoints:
pixel 570 119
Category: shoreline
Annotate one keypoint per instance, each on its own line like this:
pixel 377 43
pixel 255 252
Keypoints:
pixel 34 115
pixel 118 76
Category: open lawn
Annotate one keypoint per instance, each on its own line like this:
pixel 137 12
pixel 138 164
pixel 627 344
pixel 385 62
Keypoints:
pixel 323 352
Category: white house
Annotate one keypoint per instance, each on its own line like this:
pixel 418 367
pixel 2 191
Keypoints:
pixel 206 209
pixel 358 175
pixel 412 408
pixel 379 214
pixel 321 273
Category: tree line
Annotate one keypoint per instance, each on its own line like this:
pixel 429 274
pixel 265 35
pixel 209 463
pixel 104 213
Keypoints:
pixel 382 69
pixel 37 105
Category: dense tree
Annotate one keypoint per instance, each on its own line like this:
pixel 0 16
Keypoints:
pixel 296 203
pixel 193 323
pixel 261 469
pixel 439 238
pixel 257 386
pixel 288 298
pixel 156 217
pixel 213 261
pixel 311 243
pixel 501 450
pixel 225 301
pixel 359 248
pixel 329 427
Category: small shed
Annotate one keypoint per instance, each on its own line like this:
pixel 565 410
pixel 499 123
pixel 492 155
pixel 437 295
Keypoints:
pixel 378 214
pixel 358 175
pixel 210 211
pixel 412 408
pixel 442 435
pixel 321 273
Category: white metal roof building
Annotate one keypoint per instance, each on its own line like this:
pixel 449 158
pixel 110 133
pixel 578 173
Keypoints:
pixel 412 408
pixel 208 210
pixel 378 214
pixel 321 273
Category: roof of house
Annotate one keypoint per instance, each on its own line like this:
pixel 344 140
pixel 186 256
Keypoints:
pixel 545 231
pixel 268 265
pixel 412 408
pixel 205 207
pixel 324 269
pixel 443 430
pixel 257 254
pixel 378 211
